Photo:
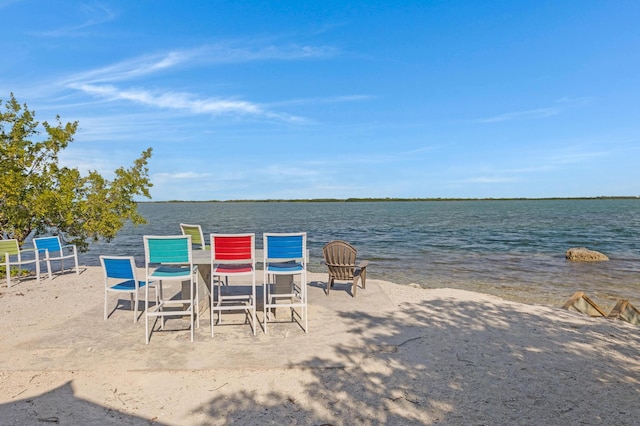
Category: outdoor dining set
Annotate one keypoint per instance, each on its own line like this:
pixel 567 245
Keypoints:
pixel 206 265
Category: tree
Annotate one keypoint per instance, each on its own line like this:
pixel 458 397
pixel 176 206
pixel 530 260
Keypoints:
pixel 37 196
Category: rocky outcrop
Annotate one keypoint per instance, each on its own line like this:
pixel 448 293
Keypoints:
pixel 583 254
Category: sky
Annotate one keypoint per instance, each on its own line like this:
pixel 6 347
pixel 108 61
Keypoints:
pixel 338 99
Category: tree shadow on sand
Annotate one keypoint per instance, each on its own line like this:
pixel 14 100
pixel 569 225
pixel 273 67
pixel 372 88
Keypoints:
pixel 461 362
pixel 62 406
pixel 444 359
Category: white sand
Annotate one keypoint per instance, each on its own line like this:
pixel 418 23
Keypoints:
pixel 393 355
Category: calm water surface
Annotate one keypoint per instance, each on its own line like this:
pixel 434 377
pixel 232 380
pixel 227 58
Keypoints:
pixel 513 249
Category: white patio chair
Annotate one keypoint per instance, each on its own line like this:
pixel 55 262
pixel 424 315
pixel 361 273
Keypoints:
pixel 169 259
pixel 232 255
pixel 11 254
pixel 120 277
pixel 197 238
pixel 52 249
pixel 285 256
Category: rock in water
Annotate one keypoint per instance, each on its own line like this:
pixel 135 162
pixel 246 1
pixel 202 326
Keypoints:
pixel 583 254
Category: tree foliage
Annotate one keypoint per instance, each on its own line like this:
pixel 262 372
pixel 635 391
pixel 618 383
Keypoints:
pixel 37 196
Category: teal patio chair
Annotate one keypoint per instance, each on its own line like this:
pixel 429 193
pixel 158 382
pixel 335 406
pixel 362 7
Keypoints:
pixel 11 255
pixel 120 277
pixel 233 255
pixel 197 238
pixel 285 256
pixel 169 259
pixel 52 249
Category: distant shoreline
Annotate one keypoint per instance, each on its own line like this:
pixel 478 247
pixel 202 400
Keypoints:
pixel 388 199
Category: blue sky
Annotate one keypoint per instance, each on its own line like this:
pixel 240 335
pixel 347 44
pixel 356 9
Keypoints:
pixel 338 99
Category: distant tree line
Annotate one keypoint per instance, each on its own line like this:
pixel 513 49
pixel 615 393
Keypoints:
pixel 392 199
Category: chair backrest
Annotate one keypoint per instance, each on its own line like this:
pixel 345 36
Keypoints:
pixel 196 234
pixel 167 249
pixel 49 243
pixel 285 247
pixel 9 246
pixel 340 258
pixel 119 267
pixel 233 247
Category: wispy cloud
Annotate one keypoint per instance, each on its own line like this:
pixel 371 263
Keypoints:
pixel 106 82
pixel 487 180
pixel 132 69
pixel 566 100
pixel 6 3
pixel 575 156
pixel 533 114
pixel 169 177
pixel 323 100
pixel 172 100
pixel 96 14
pixel 218 54
pixel 185 101
pixel 286 172
pixel 521 115
pixel 562 159
pixel 239 51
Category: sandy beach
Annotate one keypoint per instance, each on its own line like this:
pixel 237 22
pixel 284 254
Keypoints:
pixel 392 355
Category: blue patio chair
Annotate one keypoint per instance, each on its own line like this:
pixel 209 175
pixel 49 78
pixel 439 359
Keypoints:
pixel 285 256
pixel 120 277
pixel 233 255
pixel 11 255
pixel 167 259
pixel 52 249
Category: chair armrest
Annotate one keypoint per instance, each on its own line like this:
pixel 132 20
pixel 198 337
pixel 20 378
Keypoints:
pixel 36 253
pixel 68 246
pixel 363 264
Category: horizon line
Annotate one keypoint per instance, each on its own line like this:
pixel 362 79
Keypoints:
pixel 391 199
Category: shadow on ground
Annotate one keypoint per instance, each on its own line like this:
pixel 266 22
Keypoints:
pixel 62 406
pixel 440 360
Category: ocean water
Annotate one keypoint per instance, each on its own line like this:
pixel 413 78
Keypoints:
pixel 510 248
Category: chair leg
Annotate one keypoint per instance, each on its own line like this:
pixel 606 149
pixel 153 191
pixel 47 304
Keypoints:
pixel 253 305
pixel 305 295
pixel 305 310
pixel 8 273
pixel 197 302
pixel 363 277
pixel 219 288
pixel 212 302
pixel 264 303
pixel 160 307
pixel 192 307
pixel 146 310
pixel 134 306
pixel 265 285
pixel 355 285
